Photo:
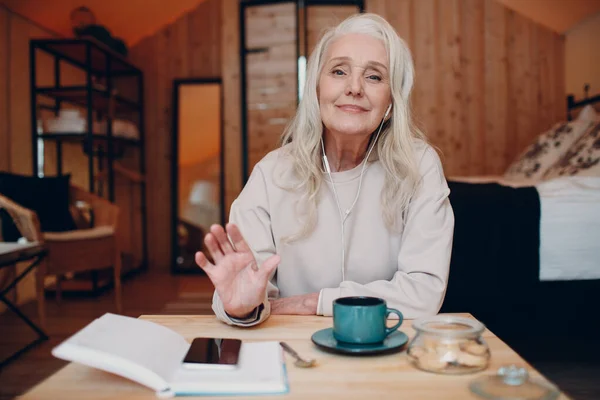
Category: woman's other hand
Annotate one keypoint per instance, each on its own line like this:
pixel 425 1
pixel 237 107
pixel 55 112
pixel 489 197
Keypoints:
pixel 237 279
pixel 296 305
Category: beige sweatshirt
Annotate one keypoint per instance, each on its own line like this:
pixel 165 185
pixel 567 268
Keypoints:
pixel 408 269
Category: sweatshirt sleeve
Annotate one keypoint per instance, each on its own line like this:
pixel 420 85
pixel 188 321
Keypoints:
pixel 250 212
pixel 419 285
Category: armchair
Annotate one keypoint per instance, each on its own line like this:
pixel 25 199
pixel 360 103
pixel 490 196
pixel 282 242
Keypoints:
pixel 72 251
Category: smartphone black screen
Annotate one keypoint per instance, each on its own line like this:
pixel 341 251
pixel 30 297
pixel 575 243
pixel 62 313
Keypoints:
pixel 215 352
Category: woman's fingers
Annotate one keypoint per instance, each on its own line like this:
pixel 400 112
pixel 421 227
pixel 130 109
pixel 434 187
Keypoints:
pixel 213 247
pixel 203 262
pixel 221 236
pixel 237 238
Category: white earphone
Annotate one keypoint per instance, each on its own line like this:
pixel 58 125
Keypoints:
pixel 344 216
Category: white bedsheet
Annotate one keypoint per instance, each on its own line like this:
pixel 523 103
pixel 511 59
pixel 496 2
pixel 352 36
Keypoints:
pixel 570 228
pixel 569 225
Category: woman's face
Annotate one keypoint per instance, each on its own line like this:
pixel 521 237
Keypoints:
pixel 354 87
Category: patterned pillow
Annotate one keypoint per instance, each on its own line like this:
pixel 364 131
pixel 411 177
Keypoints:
pixel 533 163
pixel 582 158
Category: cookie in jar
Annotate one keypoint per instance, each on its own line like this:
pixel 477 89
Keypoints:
pixel 449 345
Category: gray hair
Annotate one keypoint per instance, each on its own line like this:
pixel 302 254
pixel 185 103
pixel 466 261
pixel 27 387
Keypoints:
pixel 395 146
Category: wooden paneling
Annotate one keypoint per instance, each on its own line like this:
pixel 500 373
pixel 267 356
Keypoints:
pixel 19 107
pixel 473 72
pixel 230 56
pixel 488 80
pixel 4 63
pixel 424 53
pixel 523 63
pixel 450 82
pixel 497 117
pixel 188 48
pixel 399 15
pixel 320 18
pixel 271 75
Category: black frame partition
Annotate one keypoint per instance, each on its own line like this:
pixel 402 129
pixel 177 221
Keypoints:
pixel 102 68
pixel 177 83
pixel 572 104
pixel 301 50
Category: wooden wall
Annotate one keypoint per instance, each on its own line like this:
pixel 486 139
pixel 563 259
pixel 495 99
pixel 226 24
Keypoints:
pixel 188 48
pixel 487 79
pixel 271 77
pixel 271 74
pixel 230 76
pixel 4 65
pixel 15 133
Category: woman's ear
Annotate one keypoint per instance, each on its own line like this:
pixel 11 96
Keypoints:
pixel 387 112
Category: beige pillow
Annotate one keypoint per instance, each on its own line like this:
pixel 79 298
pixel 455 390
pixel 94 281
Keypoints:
pixel 588 114
pixel 582 158
pixel 538 157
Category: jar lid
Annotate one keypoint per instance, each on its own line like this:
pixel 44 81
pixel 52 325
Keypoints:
pixel 449 326
pixel 513 383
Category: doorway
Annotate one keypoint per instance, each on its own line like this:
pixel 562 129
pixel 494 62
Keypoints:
pixel 197 168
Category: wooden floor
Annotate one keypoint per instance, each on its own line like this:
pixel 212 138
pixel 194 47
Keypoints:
pixel 146 293
pixel 156 293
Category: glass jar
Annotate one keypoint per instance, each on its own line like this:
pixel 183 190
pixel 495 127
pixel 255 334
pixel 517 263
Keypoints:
pixel 514 383
pixel 446 344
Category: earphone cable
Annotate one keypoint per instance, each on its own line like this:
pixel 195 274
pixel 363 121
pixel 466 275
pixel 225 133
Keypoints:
pixel 337 200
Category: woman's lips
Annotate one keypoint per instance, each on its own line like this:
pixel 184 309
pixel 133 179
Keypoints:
pixel 351 108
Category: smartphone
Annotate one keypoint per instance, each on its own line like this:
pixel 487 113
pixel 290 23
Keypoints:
pixel 213 353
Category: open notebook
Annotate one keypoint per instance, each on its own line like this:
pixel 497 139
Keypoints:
pixel 151 354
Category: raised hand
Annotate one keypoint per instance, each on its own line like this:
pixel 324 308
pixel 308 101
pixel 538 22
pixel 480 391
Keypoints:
pixel 237 279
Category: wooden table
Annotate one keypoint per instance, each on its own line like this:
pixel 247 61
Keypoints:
pixel 335 376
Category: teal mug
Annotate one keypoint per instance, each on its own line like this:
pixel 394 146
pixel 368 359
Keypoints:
pixel 362 320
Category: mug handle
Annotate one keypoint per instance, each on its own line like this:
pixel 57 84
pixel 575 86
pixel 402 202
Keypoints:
pixel 400 317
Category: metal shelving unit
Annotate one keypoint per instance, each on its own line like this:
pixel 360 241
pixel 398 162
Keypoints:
pixel 106 72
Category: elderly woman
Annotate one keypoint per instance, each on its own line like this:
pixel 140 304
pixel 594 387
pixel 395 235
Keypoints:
pixel 354 203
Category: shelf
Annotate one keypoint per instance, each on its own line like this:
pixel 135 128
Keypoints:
pixel 80 137
pixel 108 87
pixel 78 95
pixel 74 51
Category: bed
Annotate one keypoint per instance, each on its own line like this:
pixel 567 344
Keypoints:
pixel 527 243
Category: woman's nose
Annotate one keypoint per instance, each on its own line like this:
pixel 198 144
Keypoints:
pixel 355 85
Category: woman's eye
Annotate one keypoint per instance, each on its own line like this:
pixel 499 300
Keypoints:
pixel 338 72
pixel 374 77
